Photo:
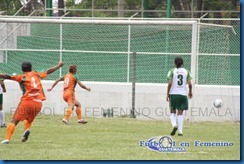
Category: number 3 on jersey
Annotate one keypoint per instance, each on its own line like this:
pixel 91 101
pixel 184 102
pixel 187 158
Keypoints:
pixel 180 80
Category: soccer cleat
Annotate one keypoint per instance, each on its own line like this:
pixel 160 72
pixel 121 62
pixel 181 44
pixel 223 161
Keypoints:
pixel 3 126
pixel 65 121
pixel 173 131
pixel 5 142
pixel 25 135
pixel 82 121
pixel 180 134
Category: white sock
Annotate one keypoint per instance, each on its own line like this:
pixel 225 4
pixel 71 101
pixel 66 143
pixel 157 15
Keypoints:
pixel 180 123
pixel 173 119
pixel 1 118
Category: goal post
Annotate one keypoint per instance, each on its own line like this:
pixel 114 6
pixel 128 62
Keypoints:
pixel 133 99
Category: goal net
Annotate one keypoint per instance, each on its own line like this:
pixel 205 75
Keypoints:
pixel 218 56
pixel 102 49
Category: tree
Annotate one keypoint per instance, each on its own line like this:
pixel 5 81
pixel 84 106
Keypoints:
pixel 199 8
pixel 218 5
pixel 9 7
pixel 61 6
pixel 177 6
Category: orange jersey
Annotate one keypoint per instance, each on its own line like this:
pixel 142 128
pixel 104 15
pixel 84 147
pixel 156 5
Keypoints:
pixel 70 82
pixel 30 83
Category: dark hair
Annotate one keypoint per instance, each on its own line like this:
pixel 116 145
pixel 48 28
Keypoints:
pixel 72 68
pixel 178 61
pixel 26 66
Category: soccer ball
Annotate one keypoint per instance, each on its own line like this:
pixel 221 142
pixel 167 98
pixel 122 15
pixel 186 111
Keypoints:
pixel 218 103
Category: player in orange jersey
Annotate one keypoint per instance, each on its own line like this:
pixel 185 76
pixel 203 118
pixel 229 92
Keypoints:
pixel 31 100
pixel 70 81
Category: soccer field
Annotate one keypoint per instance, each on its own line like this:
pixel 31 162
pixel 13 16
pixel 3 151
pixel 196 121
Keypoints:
pixel 118 139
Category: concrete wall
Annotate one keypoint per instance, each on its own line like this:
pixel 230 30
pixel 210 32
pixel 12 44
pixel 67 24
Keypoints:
pixel 150 101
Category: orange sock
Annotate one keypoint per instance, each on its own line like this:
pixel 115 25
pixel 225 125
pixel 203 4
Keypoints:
pixel 78 112
pixel 67 114
pixel 10 131
pixel 27 124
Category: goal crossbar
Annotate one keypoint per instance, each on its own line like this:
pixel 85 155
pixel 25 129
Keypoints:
pixel 75 21
pixel 218 25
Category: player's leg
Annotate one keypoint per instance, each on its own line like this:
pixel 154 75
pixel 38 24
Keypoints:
pixel 18 115
pixel 32 109
pixel 78 109
pixel 27 126
pixel 79 112
pixel 180 118
pixel 173 117
pixel 69 98
pixel 180 122
pixel 173 106
pixel 2 123
pixel 68 112
pixel 10 130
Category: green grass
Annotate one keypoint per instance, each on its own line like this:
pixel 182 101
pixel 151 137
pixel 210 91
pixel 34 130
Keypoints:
pixel 116 139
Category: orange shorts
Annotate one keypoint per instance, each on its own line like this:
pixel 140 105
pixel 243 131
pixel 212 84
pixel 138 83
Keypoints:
pixel 69 96
pixel 27 110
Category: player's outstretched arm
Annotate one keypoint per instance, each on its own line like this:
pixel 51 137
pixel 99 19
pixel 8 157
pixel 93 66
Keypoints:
pixel 52 69
pixel 3 85
pixel 55 83
pixel 83 86
pixel 5 76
